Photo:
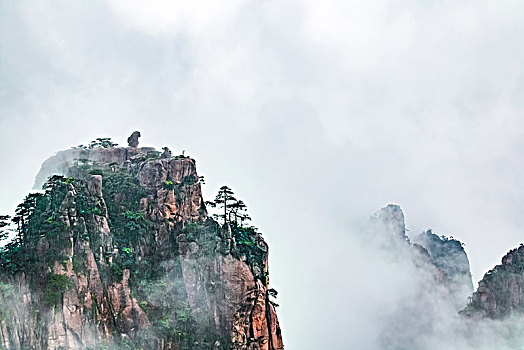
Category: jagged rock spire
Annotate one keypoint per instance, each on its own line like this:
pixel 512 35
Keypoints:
pixel 390 220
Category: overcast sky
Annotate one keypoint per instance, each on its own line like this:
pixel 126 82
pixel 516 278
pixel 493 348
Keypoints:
pixel 316 113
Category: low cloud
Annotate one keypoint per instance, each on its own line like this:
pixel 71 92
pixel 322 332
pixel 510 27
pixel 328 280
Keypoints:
pixel 315 114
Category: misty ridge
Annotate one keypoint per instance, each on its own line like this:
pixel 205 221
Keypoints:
pixel 428 301
pixel 119 251
pixel 312 175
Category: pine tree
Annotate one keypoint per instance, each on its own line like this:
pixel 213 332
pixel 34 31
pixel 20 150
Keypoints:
pixel 4 222
pixel 225 199
pixel 239 210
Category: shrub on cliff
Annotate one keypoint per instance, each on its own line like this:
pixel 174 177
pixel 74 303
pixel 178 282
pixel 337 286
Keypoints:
pixel 56 286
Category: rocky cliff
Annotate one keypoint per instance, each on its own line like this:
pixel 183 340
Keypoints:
pixel 442 258
pixel 501 291
pixel 119 253
pixel 446 268
pixel 426 301
pixel 448 255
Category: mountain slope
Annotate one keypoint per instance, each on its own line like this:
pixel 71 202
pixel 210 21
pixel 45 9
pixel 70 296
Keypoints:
pixel 448 255
pixel 501 291
pixel 120 253
pixel 443 258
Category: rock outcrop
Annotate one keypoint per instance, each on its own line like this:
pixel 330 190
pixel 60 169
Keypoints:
pixel 427 298
pixel 120 252
pixel 440 257
pixel 500 293
pixel 132 141
pixel 448 255
pixel 390 223
pixel 66 162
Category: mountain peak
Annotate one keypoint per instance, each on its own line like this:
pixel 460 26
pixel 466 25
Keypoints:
pixel 390 220
pixel 119 252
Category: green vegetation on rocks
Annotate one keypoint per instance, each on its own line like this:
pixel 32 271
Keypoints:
pixel 146 265
pixel 55 288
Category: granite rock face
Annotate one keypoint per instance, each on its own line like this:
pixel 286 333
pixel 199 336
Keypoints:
pixel 440 257
pixel 120 252
pixel 501 291
pixel 389 222
pixel 132 140
pixel 448 255
pixel 425 300
pixel 65 162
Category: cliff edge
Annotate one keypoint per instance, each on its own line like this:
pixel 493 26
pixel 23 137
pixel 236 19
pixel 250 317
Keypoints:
pixel 119 252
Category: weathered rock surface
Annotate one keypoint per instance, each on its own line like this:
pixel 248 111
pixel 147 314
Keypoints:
pixel 448 255
pixel 501 291
pixel 132 140
pixel 65 162
pixel 426 299
pixel 440 257
pixel 127 257
pixel 390 223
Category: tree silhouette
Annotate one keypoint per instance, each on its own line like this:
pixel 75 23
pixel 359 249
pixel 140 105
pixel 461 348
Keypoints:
pixel 4 222
pixel 23 214
pixel 104 142
pixel 244 217
pixel 235 211
pixel 239 211
pixel 271 292
pixel 167 153
pixel 53 182
pixel 225 199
